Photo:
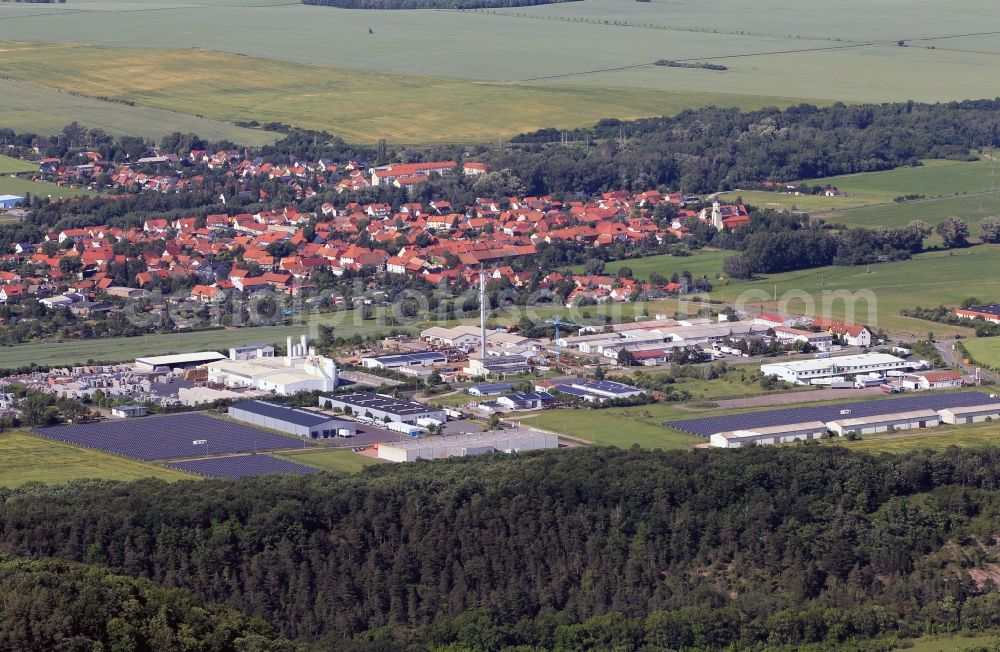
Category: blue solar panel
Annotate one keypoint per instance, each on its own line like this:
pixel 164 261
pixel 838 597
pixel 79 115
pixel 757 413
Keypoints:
pixel 573 391
pixel 244 465
pixel 173 436
pixel 749 420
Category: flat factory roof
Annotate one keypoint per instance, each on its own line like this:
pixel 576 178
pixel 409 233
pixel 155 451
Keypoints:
pixel 370 400
pixel 298 416
pixel 844 361
pixel 408 357
pixel 881 418
pixel 181 358
pixel 975 409
pixel 808 426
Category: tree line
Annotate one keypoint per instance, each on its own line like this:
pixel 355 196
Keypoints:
pixel 581 549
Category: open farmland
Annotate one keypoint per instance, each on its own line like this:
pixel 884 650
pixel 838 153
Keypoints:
pixel 554 65
pixel 929 279
pixel 29 458
pixel 960 188
pixel 34 108
pixel 410 108
pixel 939 438
pixel 699 263
pixel 240 466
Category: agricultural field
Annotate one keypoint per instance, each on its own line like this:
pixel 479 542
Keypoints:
pixel 29 458
pixel 118 349
pixel 949 643
pixel 620 427
pixel 928 279
pixel 555 65
pixel 39 109
pixel 960 188
pixel 706 262
pixel 342 460
pixel 985 350
pixel 410 108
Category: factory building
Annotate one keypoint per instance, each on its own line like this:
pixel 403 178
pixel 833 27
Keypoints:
pixel 804 372
pixel 972 414
pixel 300 370
pixel 884 422
pixel 379 406
pixel 433 448
pixel 488 389
pixel 251 351
pixel 526 400
pixel 177 361
pixel 398 360
pixel 497 365
pixel 294 421
pixel 769 435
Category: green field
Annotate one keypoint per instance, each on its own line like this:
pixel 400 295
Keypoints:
pixel 33 108
pixel 985 350
pixel 10 165
pixel 618 426
pixel 345 461
pixel 343 101
pixel 19 186
pixel 28 458
pixel 957 188
pixel 949 643
pixel 929 279
pixel 367 74
pixel 706 262
pixel 941 437
pixel 118 349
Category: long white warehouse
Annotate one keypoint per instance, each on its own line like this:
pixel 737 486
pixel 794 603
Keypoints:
pixel 435 448
pixel 801 372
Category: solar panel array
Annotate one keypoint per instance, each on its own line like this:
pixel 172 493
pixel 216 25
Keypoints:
pixel 610 386
pixel 170 437
pixel 241 466
pixel 708 426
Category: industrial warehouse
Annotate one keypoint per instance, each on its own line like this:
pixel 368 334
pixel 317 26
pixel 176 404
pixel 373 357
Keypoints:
pixel 805 372
pixel 433 448
pixel 845 419
pixel 294 421
pixel 380 407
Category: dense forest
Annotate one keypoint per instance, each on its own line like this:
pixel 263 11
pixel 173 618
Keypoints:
pixel 429 4
pixel 580 549
pixel 711 149
pixel 55 605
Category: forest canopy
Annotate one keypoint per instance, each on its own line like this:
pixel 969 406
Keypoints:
pixel 575 549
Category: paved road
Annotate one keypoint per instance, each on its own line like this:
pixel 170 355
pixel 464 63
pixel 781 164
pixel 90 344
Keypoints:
pixel 952 358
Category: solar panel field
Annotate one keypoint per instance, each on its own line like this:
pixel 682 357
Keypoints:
pixel 241 466
pixel 171 437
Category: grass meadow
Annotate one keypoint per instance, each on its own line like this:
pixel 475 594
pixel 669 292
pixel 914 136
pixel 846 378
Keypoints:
pixel 28 458
pixel 10 165
pixel 344 461
pixel 10 185
pixel 941 437
pixel 985 350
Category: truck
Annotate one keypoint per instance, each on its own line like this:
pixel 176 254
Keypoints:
pixel 426 422
pixel 409 429
pixel 453 414
pixel 863 382
pixel 890 389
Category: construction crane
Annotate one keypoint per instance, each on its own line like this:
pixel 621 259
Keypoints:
pixel 558 321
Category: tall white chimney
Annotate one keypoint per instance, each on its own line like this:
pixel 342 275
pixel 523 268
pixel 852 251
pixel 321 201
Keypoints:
pixel 482 310
pixel 288 351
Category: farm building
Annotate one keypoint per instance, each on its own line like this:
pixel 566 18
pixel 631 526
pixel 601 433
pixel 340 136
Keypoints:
pixel 294 421
pixel 177 361
pixel 770 435
pixel 802 372
pixel 379 406
pixel 10 201
pixel 525 400
pixel 433 448
pixel 970 414
pixel 867 425
pixel 397 360
pixel 488 389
